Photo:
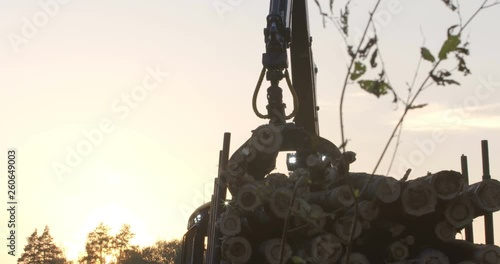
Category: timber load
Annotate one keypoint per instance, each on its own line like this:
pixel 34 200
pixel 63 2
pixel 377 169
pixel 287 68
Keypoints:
pixel 320 212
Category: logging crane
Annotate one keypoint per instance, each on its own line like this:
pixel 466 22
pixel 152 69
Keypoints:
pixel 287 29
pixel 321 212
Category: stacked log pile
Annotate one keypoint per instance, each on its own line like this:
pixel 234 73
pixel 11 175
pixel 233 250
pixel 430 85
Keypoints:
pixel 322 213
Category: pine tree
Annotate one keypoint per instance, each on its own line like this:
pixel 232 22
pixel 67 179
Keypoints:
pixel 30 254
pixel 42 250
pixel 48 251
pixel 121 242
pixel 98 245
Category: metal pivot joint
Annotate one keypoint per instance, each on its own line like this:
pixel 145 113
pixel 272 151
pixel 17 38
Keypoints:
pixel 277 37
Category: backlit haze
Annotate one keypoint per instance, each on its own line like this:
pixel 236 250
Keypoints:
pixel 81 71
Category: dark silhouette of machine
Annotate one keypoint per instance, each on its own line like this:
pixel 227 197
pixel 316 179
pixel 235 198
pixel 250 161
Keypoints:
pixel 322 213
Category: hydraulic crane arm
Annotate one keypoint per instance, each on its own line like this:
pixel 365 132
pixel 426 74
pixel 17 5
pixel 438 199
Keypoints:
pixel 288 27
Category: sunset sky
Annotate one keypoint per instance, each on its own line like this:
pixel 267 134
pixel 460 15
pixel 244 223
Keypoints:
pixel 144 90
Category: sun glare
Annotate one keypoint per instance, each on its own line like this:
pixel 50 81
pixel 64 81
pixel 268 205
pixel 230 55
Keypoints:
pixel 110 259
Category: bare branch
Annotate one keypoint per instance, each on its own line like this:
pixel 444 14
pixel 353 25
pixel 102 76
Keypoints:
pixel 398 142
pixel 459 14
pixel 342 96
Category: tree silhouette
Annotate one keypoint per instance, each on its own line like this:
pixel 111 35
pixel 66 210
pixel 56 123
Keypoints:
pixel 30 254
pixel 42 250
pixel 99 245
pixel 121 242
pixel 163 252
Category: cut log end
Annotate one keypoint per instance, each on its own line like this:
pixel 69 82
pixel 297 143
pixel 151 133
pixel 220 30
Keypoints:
pixel 368 210
pixel 433 256
pixel 445 231
pixel 342 227
pixel 356 258
pixel 399 251
pixel 418 198
pixel 388 190
pixel 266 139
pixel 248 197
pixel 488 254
pixel 448 184
pixel 230 224
pixel 237 250
pixel 460 212
pixel 280 202
pixel 487 195
pixel 326 248
pixel 272 249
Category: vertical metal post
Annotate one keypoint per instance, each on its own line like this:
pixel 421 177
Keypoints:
pixel 488 218
pixel 469 231
pixel 214 253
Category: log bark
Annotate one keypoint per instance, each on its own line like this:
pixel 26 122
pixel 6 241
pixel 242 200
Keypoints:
pixel 460 250
pixel 311 224
pixel 485 195
pixel 339 197
pixel 385 189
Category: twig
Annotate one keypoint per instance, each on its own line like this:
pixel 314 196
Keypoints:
pixel 420 89
pixel 285 226
pixel 345 169
pixel 341 107
pixel 382 60
pixel 490 5
pixel 398 142
pixel 483 6
pixel 459 14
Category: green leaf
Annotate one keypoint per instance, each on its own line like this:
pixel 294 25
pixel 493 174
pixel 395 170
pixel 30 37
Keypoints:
pixel 297 260
pixel 451 44
pixel 376 88
pixel 359 70
pixel 357 193
pixel 427 55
